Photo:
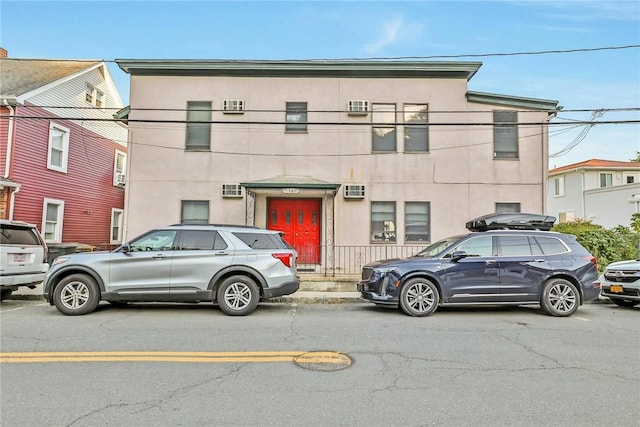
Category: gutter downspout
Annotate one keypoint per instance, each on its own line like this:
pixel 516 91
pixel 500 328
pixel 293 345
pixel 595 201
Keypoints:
pixel 12 202
pixel 7 162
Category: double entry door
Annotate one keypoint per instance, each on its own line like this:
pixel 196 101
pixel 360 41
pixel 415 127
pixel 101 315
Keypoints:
pixel 299 220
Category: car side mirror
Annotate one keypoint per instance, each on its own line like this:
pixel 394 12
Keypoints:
pixel 458 255
pixel 125 248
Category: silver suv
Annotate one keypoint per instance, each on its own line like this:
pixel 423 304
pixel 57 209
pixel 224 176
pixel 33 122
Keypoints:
pixel 233 266
pixel 23 256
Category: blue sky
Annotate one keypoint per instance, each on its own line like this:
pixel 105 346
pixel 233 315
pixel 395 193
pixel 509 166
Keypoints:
pixel 607 79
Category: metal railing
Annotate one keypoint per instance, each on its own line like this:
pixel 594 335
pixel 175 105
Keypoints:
pixel 348 260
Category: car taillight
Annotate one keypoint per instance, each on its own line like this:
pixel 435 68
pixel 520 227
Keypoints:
pixel 591 258
pixel 284 258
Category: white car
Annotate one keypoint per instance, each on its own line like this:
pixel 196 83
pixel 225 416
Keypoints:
pixel 23 256
pixel 621 283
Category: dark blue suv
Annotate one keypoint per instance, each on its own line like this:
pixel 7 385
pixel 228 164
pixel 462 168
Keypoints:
pixel 508 259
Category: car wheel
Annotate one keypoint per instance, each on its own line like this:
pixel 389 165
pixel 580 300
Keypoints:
pixel 624 302
pixel 560 298
pixel 76 294
pixel 238 295
pixel 419 297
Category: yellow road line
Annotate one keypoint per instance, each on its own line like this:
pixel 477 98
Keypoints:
pixel 169 356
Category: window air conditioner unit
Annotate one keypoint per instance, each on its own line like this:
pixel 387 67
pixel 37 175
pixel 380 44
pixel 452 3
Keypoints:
pixel 233 106
pixel 358 108
pixel 354 192
pixel 120 179
pixel 231 190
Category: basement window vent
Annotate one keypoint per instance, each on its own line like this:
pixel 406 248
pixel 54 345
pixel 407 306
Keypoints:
pixel 231 190
pixel 354 192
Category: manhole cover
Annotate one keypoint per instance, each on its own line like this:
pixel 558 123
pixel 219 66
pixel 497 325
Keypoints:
pixel 323 361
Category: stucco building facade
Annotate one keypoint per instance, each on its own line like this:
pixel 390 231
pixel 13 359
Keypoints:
pixel 351 160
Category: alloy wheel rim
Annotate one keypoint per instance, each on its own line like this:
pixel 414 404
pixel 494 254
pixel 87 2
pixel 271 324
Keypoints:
pixel 237 296
pixel 562 298
pixel 74 295
pixel 420 297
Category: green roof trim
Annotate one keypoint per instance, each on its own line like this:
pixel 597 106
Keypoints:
pixel 292 181
pixel 513 101
pixel 123 114
pixel 300 68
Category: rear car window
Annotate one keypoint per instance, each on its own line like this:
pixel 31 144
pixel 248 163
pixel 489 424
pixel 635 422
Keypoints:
pixel 18 235
pixel 551 245
pixel 200 239
pixel 261 240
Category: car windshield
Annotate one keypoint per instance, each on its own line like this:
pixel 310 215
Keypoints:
pixel 437 247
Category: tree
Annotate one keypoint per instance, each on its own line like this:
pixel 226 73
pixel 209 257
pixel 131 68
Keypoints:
pixel 637 159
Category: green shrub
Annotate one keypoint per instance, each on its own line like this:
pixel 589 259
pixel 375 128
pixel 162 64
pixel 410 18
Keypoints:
pixel 607 246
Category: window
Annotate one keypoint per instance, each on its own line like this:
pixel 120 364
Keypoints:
pixel 195 212
pixel 516 246
pixel 507 207
pixel 58 148
pixel 630 179
pixel 416 221
pixel 157 240
pixel 505 135
pixel 558 186
pixel 416 132
pixel 551 245
pixel 478 246
pixel 52 215
pixel 606 180
pixel 198 125
pixel 383 221
pixel 119 168
pixel 116 225
pixel 296 117
pixel 193 240
pixel 383 119
pixel 261 240
pixel 94 96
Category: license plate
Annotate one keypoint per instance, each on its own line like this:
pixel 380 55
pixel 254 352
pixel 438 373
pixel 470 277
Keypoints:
pixel 616 288
pixel 19 258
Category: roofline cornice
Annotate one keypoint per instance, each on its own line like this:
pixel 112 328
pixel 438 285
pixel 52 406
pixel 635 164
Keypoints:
pixel 302 68
pixel 514 101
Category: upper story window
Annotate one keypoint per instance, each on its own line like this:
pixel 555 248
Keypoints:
pixel 296 117
pixel 505 135
pixel 198 125
pixel 383 118
pixel 507 207
pixel 606 180
pixel 58 154
pixel 116 225
pixel 558 186
pixel 416 132
pixel 119 168
pixel 195 212
pixel 94 96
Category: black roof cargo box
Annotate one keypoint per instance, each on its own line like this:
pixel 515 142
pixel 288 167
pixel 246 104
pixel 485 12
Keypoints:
pixel 511 221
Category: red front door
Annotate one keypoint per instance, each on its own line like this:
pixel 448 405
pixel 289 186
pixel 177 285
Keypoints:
pixel 299 220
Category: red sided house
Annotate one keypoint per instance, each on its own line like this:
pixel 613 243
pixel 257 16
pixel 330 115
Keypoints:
pixel 62 155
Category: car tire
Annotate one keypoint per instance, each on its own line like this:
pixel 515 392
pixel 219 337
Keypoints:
pixel 5 293
pixel 624 302
pixel 560 298
pixel 238 295
pixel 419 297
pixel 76 294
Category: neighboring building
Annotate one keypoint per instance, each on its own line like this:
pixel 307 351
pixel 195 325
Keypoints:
pixel 352 160
pixel 605 192
pixel 62 156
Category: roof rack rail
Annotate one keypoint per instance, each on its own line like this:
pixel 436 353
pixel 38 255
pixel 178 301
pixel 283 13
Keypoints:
pixel 511 221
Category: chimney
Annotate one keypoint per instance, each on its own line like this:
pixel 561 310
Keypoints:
pixel 3 53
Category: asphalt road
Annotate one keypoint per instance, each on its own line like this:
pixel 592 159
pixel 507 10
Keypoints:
pixel 180 365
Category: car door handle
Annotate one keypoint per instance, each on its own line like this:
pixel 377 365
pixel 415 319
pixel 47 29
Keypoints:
pixel 221 254
pixel 159 256
pixel 539 260
pixel 490 261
